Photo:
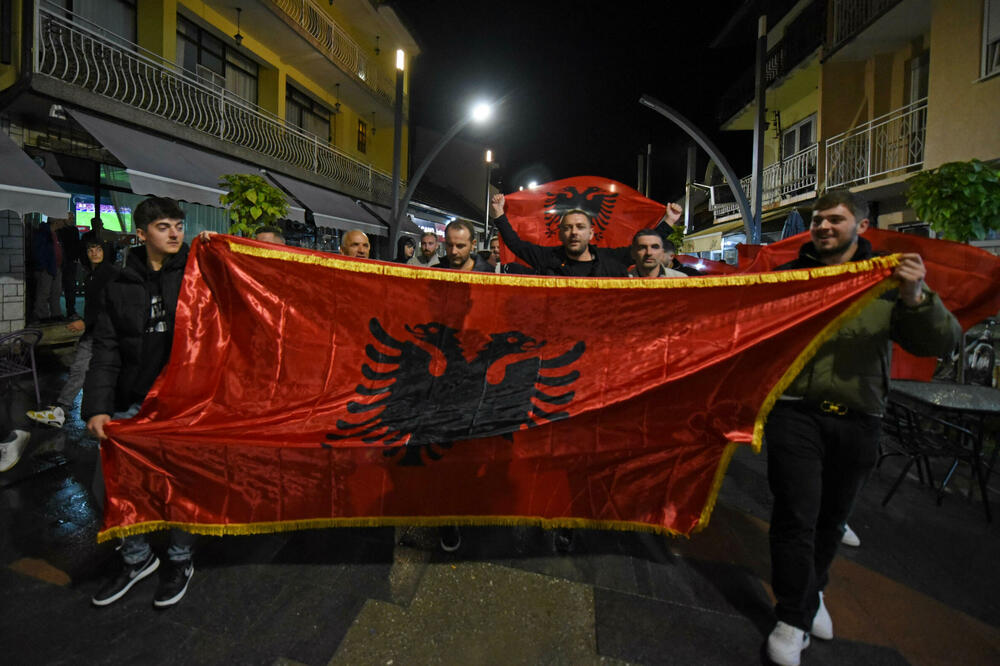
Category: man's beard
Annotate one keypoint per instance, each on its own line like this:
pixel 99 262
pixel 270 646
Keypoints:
pixel 840 249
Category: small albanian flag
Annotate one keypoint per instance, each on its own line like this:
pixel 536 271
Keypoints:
pixel 616 210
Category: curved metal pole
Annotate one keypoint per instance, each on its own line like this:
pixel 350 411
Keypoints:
pixel 752 232
pixel 418 174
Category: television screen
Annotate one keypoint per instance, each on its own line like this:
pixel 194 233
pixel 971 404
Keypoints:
pixel 109 218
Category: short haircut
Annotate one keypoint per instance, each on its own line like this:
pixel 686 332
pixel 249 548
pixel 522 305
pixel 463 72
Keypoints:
pixel 156 208
pixel 430 234
pixel 851 201
pixel 270 229
pixel 576 211
pixel 462 224
pixel 645 232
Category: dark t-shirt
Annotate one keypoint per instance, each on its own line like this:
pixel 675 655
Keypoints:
pixel 156 338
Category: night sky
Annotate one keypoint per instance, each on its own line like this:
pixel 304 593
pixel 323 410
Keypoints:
pixel 571 74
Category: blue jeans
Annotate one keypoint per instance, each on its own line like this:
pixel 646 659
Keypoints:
pixel 136 549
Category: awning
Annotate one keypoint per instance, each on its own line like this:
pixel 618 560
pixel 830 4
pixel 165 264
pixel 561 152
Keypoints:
pixel 385 215
pixel 329 208
pixel 24 187
pixel 167 168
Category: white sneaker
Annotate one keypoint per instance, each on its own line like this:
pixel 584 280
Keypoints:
pixel 785 644
pixel 53 416
pixel 822 626
pixel 12 448
pixel 850 537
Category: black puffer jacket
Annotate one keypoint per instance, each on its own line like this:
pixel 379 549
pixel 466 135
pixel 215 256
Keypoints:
pixel 94 284
pixel 113 379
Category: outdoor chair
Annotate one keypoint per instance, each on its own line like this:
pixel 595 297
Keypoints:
pixel 17 357
pixel 922 437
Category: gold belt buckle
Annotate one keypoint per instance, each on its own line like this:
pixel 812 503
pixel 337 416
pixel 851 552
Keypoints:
pixel 833 408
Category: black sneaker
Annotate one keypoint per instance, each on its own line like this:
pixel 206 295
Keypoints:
pixel 451 538
pixel 173 583
pixel 116 588
pixel 563 541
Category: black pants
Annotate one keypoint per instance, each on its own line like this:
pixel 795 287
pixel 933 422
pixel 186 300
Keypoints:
pixel 816 464
pixel 69 288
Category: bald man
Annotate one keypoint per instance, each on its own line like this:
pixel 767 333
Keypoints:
pixel 355 244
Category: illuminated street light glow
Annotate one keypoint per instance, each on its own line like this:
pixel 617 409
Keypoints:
pixel 400 59
pixel 489 156
pixel 533 184
pixel 481 112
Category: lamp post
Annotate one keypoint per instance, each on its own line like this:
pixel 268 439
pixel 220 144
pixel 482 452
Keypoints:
pixel 397 139
pixel 479 113
pixel 486 214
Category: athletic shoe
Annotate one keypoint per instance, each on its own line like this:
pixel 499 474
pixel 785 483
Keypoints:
pixel 451 538
pixel 12 448
pixel 850 537
pixel 822 623
pixel 562 540
pixel 173 583
pixel 785 644
pixel 117 587
pixel 53 416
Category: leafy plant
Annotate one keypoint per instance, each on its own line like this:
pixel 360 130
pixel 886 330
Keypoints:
pixel 676 236
pixel 960 200
pixel 252 202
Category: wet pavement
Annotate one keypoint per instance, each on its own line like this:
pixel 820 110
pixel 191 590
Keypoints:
pixel 923 588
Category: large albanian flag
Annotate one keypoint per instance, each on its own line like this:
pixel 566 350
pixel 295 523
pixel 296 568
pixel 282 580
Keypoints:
pixel 310 390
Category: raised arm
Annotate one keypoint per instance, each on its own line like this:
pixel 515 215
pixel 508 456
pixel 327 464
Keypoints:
pixel 536 256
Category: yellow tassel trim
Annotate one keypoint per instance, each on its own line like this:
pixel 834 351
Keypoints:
pixel 241 529
pixel 414 272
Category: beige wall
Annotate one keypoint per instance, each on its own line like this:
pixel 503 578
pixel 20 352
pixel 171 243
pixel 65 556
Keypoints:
pixel 961 111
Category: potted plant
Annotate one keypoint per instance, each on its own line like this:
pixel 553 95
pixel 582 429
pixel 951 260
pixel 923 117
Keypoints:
pixel 960 200
pixel 252 202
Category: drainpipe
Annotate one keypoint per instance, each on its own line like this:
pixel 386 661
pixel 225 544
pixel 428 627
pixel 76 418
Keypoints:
pixel 27 60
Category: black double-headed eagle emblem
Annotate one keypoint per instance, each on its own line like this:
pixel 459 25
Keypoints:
pixel 418 406
pixel 594 202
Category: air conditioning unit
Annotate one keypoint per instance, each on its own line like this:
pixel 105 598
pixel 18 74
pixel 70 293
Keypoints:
pixel 721 194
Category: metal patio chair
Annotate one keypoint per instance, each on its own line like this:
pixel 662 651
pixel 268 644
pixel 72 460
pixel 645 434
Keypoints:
pixel 17 357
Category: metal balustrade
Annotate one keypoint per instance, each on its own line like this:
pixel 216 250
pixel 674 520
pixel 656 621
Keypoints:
pixel 850 17
pixel 792 175
pixel 75 54
pixel 890 144
pixel 339 46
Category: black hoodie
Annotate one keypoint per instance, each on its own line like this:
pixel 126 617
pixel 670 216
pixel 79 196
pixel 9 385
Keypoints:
pixel 127 355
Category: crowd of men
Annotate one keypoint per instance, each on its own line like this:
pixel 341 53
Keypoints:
pixel 821 437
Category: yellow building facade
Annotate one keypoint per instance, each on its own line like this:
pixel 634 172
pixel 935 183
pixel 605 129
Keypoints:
pixel 888 88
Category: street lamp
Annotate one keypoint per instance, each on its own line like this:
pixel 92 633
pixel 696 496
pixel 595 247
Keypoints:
pixel 478 113
pixel 489 167
pixel 397 134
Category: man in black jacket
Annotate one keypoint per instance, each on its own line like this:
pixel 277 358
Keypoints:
pixel 131 346
pixel 100 272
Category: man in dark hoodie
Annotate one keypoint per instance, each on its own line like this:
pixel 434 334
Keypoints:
pixel 822 435
pixel 131 346
pixel 100 271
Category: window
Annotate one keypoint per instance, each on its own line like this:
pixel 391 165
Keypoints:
pixel 362 136
pixel 991 38
pixel 798 137
pixel 114 16
pixel 214 62
pixel 302 112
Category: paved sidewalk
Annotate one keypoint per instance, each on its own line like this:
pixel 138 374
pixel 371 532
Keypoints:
pixel 923 588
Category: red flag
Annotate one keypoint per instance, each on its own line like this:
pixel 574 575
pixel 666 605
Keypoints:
pixel 309 390
pixel 965 277
pixel 617 211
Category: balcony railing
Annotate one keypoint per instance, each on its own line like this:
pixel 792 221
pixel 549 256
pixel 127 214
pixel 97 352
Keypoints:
pixel 890 144
pixel 339 46
pixel 852 16
pixel 793 175
pixel 75 54
pixel 801 38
